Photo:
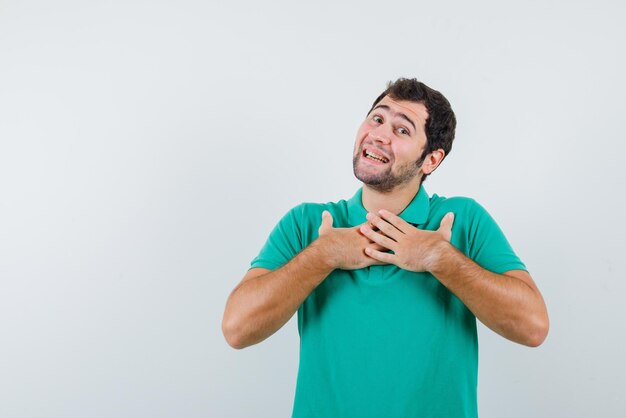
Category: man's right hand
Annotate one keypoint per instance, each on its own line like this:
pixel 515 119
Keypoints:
pixel 266 299
pixel 345 247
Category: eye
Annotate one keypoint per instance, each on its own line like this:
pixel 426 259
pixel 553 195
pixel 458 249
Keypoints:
pixel 403 131
pixel 377 119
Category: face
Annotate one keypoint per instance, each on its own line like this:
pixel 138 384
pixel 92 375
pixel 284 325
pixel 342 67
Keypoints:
pixel 389 144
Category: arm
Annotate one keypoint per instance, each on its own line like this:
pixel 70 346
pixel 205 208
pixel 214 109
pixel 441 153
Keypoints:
pixel 265 300
pixel 509 304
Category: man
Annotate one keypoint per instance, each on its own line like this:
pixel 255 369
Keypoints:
pixel 388 284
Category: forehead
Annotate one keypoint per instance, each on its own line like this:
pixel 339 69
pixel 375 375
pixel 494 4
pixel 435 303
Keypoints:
pixel 413 110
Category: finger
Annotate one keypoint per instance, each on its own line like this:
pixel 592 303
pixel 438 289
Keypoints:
pixel 396 221
pixel 445 227
pixel 327 222
pixel 375 262
pixel 378 247
pixel 378 238
pixel 446 223
pixel 384 226
pixel 380 256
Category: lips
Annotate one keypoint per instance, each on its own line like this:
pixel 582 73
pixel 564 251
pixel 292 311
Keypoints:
pixel 375 155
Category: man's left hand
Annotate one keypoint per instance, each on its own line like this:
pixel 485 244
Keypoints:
pixel 413 249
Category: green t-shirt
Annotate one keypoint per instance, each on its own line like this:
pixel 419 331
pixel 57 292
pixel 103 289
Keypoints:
pixel 382 341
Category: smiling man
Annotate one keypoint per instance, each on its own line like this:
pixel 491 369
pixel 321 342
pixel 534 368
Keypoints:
pixel 388 284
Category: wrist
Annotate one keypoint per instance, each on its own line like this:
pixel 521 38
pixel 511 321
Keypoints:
pixel 324 255
pixel 440 260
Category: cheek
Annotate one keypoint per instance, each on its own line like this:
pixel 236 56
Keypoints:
pixel 406 152
pixel 360 136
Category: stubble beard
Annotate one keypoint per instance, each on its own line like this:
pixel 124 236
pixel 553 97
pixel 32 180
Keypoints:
pixel 385 181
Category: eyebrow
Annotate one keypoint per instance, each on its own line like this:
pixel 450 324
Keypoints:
pixel 402 115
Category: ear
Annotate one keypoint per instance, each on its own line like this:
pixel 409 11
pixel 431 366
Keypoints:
pixel 432 161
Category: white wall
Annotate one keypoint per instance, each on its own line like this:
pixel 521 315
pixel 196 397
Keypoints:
pixel 147 148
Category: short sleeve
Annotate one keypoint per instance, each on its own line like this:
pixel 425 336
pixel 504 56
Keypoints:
pixel 283 243
pixel 488 246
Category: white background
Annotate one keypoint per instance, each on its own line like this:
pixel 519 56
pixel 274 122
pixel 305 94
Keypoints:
pixel 148 148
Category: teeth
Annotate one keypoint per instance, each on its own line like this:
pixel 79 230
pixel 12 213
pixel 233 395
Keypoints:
pixel 375 157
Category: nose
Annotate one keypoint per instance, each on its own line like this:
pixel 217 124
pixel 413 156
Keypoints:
pixel 380 134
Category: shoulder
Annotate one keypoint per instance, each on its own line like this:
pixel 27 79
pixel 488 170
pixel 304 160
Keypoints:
pixel 469 215
pixel 475 232
pixel 459 205
pixel 304 220
pixel 308 211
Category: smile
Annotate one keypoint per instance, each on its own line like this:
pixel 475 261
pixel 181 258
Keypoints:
pixel 375 157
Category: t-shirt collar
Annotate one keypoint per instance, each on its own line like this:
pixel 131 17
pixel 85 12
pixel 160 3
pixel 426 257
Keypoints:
pixel 415 213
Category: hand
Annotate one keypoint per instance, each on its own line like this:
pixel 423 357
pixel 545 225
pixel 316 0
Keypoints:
pixel 345 247
pixel 414 249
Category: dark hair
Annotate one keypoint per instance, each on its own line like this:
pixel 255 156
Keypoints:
pixel 441 122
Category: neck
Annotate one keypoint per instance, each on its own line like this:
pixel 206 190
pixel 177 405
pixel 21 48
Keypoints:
pixel 395 200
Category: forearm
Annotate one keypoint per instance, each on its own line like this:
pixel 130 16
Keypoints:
pixel 505 304
pixel 258 307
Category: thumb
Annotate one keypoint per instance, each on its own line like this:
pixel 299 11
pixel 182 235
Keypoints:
pixel 327 221
pixel 446 225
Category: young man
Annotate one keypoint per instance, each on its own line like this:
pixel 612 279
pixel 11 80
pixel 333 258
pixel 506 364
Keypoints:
pixel 388 284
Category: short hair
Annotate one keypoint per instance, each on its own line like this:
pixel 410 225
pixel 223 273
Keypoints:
pixel 441 122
